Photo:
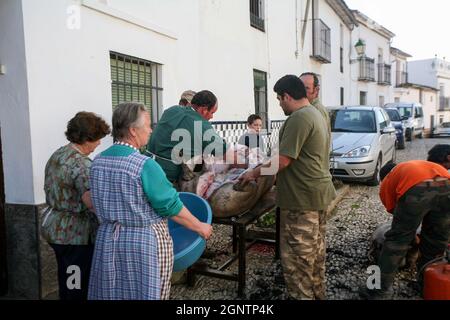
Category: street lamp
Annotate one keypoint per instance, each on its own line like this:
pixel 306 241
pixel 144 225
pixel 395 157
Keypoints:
pixel 360 47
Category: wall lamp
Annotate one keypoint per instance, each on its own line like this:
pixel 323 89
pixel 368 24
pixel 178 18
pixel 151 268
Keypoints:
pixel 360 48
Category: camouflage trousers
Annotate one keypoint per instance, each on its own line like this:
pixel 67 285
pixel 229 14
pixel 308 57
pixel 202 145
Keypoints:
pixel 302 246
pixel 429 206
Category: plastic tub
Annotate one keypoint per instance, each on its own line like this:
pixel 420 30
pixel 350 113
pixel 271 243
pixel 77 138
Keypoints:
pixel 188 246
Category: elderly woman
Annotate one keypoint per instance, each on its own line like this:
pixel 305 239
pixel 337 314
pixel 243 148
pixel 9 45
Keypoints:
pixel 69 225
pixel 133 255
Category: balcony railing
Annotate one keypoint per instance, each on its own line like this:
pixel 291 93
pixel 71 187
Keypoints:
pixel 366 69
pixel 384 74
pixel 444 104
pixel 402 78
pixel 321 41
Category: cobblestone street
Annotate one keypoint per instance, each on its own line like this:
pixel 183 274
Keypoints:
pixel 349 230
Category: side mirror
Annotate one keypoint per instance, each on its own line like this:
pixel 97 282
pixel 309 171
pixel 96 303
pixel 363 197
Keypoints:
pixel 404 118
pixel 388 130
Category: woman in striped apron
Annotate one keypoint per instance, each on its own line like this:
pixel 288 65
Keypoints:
pixel 133 199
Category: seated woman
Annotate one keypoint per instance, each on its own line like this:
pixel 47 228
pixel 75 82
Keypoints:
pixel 69 224
pixel 133 200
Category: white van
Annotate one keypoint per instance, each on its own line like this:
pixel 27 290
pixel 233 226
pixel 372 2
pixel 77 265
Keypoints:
pixel 412 117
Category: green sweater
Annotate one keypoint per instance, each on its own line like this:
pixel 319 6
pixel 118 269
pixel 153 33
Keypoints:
pixel 195 137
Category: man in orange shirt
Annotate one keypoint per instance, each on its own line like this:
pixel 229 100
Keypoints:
pixel 414 192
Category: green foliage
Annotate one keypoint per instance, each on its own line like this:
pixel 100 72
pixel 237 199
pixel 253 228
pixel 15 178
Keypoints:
pixel 267 220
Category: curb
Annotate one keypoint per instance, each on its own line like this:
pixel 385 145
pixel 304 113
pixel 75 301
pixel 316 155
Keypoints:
pixel 341 193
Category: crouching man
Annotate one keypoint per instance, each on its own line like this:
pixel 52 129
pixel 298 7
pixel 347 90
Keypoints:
pixel 414 192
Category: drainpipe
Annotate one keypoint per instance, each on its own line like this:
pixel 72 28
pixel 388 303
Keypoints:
pixel 305 22
pixel 313 26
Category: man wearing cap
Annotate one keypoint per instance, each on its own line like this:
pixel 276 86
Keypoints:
pixel 186 98
pixel 177 121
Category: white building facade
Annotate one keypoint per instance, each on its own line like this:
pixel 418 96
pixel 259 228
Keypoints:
pixel 372 72
pixel 405 91
pixel 434 73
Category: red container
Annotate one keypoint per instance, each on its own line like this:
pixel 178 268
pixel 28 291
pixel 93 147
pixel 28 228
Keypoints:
pixel 437 281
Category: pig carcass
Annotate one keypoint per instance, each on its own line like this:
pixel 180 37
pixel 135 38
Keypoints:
pixel 219 185
pixel 377 241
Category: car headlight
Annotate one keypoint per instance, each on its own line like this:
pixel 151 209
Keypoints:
pixel 358 152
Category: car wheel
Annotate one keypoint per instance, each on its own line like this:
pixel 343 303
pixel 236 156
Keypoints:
pixel 409 134
pixel 421 134
pixel 401 144
pixel 375 180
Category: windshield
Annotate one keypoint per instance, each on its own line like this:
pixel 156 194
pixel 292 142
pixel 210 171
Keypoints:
pixel 405 111
pixel 360 121
pixel 393 115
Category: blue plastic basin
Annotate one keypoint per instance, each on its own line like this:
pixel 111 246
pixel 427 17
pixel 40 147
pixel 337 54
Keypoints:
pixel 188 246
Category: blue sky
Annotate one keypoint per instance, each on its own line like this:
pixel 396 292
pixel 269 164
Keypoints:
pixel 421 27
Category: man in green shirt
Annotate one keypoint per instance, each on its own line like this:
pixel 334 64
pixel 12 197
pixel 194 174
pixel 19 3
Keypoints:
pixel 312 86
pixel 304 190
pixel 184 132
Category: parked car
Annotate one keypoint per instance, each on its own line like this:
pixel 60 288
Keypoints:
pixel 397 122
pixel 442 129
pixel 412 117
pixel 363 141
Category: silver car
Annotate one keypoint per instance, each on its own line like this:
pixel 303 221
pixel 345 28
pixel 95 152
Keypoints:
pixel 363 141
pixel 442 129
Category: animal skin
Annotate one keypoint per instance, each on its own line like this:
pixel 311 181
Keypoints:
pixel 232 198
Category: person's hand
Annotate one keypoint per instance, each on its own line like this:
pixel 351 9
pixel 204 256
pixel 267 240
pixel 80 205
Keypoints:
pixel 205 230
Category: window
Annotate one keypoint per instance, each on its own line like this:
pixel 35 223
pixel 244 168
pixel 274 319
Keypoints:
pixel 260 92
pixel 360 121
pixel 321 41
pixel 441 119
pixel 421 96
pixel 381 101
pixel 342 96
pixel 257 14
pixel 137 80
pixel 383 119
pixel 362 98
pixel 396 100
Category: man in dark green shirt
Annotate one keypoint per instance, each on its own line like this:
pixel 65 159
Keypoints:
pixel 185 133
pixel 304 190
pixel 312 86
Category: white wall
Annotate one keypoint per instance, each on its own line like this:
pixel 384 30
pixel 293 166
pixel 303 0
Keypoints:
pixel 14 111
pixel 202 44
pixel 69 70
pixel 421 72
pixel 331 77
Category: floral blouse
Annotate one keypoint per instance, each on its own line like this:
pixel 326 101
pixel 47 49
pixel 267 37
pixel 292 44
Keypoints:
pixel 67 220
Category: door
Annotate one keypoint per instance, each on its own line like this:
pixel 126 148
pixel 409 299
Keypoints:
pixel 387 141
pixel 3 263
